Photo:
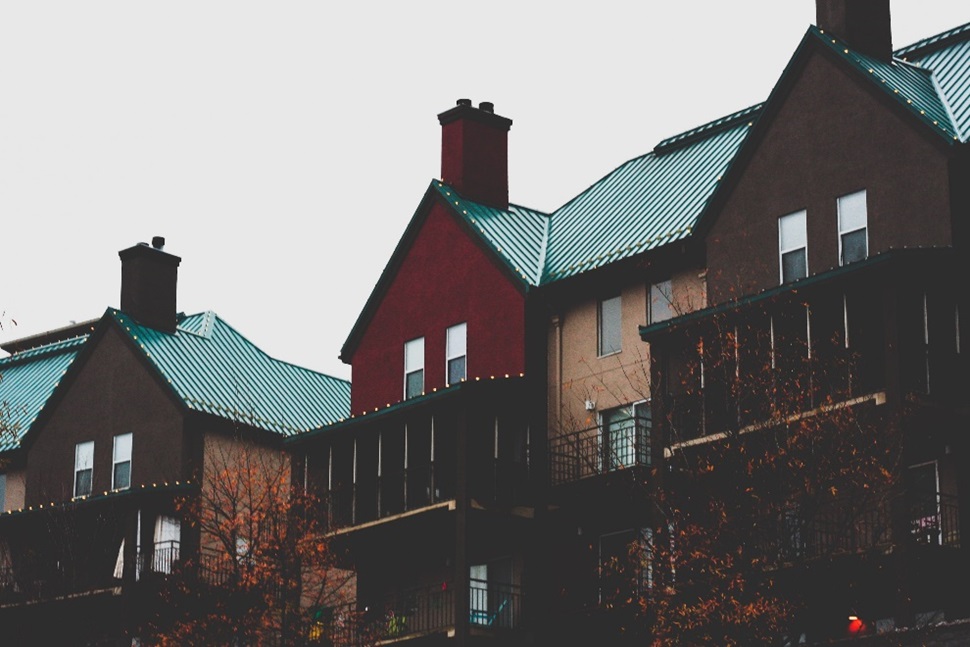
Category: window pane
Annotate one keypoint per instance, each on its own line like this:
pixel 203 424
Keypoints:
pixel 854 247
pixel 793 266
pixel 122 448
pixel 456 341
pixel 791 231
pixel 644 423
pixel 478 594
pixel 610 326
pixel 82 482
pixel 414 384
pixel 414 355
pixel 456 370
pixel 852 212
pixel 84 456
pixel 122 475
pixel 661 301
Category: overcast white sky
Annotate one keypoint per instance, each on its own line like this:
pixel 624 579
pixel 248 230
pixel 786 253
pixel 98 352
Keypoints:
pixel 281 147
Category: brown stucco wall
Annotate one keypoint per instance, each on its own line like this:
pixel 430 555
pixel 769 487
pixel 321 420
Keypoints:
pixel 833 135
pixel 113 393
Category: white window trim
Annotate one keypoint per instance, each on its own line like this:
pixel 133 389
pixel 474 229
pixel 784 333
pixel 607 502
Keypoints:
pixel 77 468
pixel 115 461
pixel 782 250
pixel 450 354
pixel 843 232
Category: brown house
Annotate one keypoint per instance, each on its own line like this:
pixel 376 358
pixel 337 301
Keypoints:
pixel 114 420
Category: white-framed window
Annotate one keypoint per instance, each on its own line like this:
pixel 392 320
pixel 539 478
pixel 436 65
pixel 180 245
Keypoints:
pixel 853 229
pixel 625 436
pixel 793 247
pixel 660 305
pixel 610 326
pixel 414 367
pixel 456 343
pixel 121 462
pixel 83 468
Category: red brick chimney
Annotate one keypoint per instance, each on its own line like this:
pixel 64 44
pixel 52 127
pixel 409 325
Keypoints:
pixel 864 24
pixel 148 280
pixel 475 152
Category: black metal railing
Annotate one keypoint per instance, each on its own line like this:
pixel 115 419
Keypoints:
pixel 597 450
pixel 161 557
pixel 847 527
pixel 417 611
pixel 394 492
pixel 494 605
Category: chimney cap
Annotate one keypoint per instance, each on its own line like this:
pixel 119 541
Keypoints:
pixel 484 113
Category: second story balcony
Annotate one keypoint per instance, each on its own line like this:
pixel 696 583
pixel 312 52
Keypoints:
pixel 619 442
pixel 472 439
pixel 932 520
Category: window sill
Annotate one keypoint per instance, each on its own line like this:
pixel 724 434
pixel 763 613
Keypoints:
pixel 616 352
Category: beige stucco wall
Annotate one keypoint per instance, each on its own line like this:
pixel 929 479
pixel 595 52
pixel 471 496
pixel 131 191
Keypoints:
pixel 577 374
pixel 16 489
pixel 236 472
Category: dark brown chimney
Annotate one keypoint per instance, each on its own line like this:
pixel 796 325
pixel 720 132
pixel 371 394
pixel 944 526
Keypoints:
pixel 864 25
pixel 148 281
pixel 475 152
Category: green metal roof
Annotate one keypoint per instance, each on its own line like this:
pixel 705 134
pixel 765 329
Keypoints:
pixel 948 56
pixel 518 235
pixel 214 369
pixel 914 86
pixel 656 199
pixel 647 202
pixel 27 380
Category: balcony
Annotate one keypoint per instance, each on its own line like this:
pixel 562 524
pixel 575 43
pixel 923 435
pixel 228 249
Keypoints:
pixel 413 455
pixel 623 444
pixel 416 612
pixel 844 528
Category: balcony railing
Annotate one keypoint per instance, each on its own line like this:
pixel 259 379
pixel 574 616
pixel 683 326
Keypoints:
pixel 418 611
pixel 391 494
pixel 840 528
pixel 598 450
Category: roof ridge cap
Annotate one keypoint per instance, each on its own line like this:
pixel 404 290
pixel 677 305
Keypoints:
pixel 932 43
pixel 60 347
pixel 710 128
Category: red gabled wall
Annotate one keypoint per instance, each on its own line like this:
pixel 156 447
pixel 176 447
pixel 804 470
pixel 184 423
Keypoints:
pixel 445 278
